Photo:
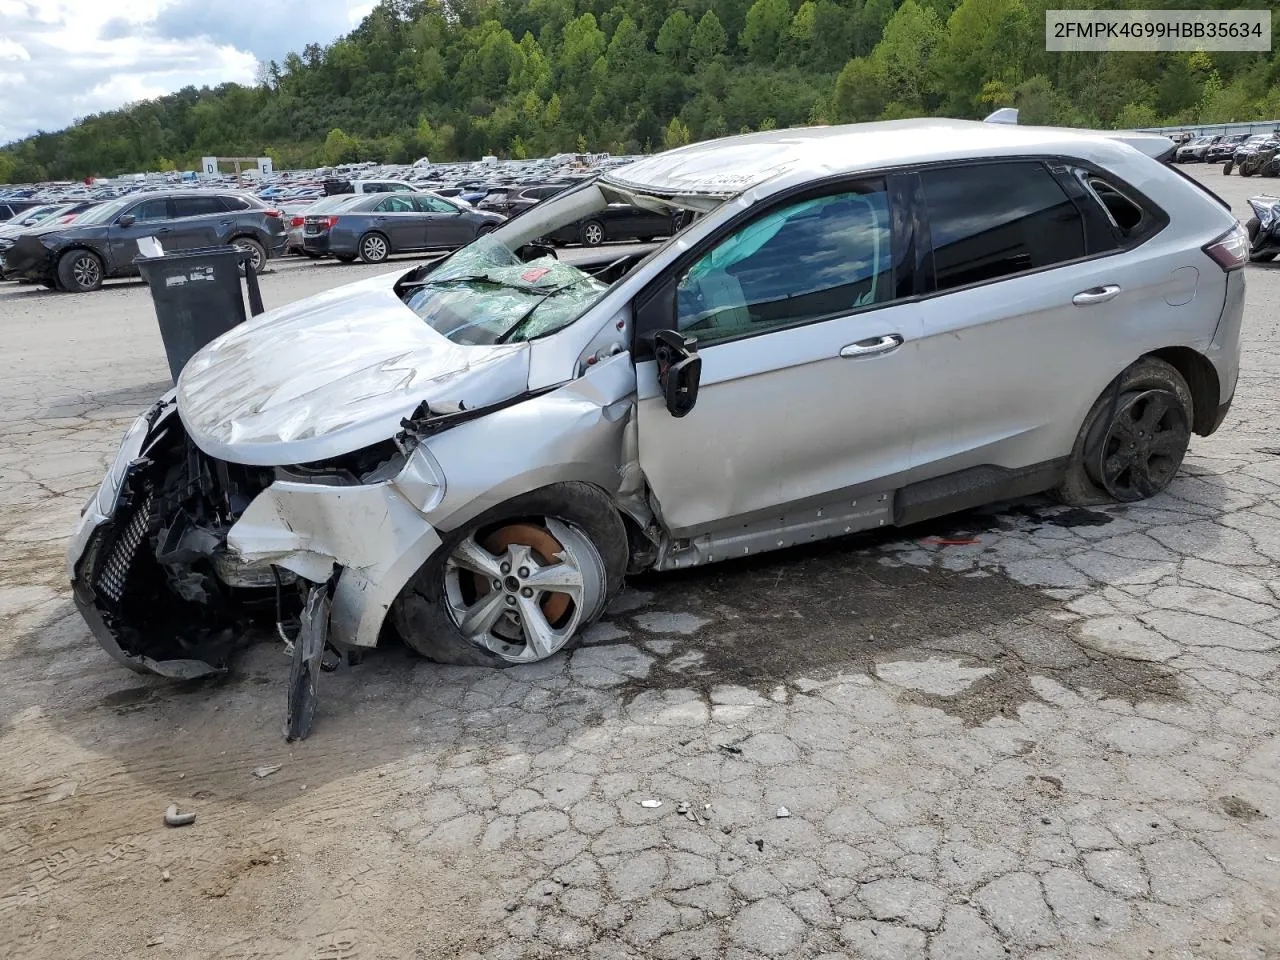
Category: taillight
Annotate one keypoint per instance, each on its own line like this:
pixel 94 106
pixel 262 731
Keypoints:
pixel 1231 250
pixel 330 222
pixel 274 213
pixel 295 221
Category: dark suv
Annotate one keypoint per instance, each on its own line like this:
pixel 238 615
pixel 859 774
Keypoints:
pixel 103 242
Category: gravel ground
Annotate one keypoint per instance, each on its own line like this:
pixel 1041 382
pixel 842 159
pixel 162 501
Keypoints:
pixel 1055 741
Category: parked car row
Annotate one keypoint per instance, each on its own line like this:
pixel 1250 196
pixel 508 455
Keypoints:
pixel 1249 153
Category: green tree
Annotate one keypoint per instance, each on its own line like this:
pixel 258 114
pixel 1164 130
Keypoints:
pixel 708 41
pixel 904 55
pixel 673 39
pixel 676 134
pixel 860 92
pixel 340 148
pixel 766 27
pixel 7 167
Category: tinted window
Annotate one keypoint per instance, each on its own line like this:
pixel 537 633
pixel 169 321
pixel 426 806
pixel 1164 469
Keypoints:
pixel 197 206
pixel 995 220
pixel 818 258
pixel 394 204
pixel 157 208
pixel 234 203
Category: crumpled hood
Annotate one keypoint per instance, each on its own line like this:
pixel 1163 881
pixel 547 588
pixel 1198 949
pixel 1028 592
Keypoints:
pixel 332 374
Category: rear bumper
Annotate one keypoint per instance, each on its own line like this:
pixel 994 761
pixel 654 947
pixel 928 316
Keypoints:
pixel 315 243
pixel 276 243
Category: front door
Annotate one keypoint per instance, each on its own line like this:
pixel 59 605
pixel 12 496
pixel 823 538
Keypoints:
pixel 809 370
pixel 122 238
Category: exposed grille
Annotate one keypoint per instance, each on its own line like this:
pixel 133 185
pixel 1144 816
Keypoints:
pixel 114 573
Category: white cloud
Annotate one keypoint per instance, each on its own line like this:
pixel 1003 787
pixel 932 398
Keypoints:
pixel 65 59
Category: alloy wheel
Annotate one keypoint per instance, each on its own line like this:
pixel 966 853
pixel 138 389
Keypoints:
pixel 374 249
pixel 86 272
pixel 523 589
pixel 255 255
pixel 1143 445
pixel 593 234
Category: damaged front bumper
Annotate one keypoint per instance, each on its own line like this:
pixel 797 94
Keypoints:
pixel 177 554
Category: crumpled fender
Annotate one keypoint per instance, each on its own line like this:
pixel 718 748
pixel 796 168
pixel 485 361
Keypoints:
pixel 371 531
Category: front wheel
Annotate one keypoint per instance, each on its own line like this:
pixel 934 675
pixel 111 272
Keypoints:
pixel 374 248
pixel 79 271
pixel 520 583
pixel 1134 439
pixel 592 233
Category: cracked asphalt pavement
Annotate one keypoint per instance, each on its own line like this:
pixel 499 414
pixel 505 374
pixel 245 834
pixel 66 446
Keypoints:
pixel 1025 732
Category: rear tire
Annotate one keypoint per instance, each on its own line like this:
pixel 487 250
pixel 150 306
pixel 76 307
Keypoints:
pixel 374 247
pixel 578 517
pixel 79 271
pixel 1105 440
pixel 1252 228
pixel 592 233
pixel 257 252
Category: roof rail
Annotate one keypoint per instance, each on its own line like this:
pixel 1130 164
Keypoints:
pixel 1003 115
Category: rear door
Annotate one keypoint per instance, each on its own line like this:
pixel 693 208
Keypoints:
pixel 803 320
pixel 1036 307
pixel 148 216
pixel 396 216
pixel 194 224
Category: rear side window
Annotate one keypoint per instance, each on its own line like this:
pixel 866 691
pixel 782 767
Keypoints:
pixel 995 220
pixel 234 203
pixel 1132 218
pixel 197 206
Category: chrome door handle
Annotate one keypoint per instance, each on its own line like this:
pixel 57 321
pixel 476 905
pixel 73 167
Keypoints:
pixel 872 346
pixel 1096 295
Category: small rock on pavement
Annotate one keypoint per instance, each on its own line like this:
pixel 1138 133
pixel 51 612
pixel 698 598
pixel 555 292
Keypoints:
pixel 155 941
pixel 782 812
pixel 265 771
pixel 651 804
pixel 164 875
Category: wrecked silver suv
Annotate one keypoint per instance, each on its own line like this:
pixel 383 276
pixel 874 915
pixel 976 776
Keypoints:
pixel 865 326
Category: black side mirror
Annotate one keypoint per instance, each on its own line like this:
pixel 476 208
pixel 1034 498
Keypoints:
pixel 128 220
pixel 679 370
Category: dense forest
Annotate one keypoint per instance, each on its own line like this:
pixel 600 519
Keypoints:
pixel 454 79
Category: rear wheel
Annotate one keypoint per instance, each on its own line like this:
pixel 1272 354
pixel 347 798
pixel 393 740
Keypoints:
pixel 592 233
pixel 520 583
pixel 374 248
pixel 1252 228
pixel 79 271
pixel 1134 439
pixel 256 251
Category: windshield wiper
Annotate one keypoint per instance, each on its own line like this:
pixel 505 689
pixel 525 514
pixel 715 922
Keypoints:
pixel 477 278
pixel 510 331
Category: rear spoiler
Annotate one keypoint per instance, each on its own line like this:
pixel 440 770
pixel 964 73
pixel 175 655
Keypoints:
pixel 1154 145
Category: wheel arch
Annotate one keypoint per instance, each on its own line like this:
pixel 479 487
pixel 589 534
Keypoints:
pixel 1201 378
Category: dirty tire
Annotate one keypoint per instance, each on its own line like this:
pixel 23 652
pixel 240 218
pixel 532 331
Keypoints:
pixel 592 233
pixel 1252 228
pixel 257 252
pixel 374 247
pixel 1078 488
pixel 420 616
pixel 79 271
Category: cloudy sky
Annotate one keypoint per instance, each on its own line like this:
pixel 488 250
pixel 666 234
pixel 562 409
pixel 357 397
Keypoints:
pixel 64 59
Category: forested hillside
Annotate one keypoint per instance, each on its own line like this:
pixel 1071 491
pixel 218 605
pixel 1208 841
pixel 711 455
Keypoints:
pixel 461 78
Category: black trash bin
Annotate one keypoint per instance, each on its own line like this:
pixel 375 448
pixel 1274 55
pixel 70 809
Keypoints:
pixel 198 297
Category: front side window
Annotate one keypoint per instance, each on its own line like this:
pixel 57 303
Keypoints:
pixel 994 220
pixel 157 208
pixel 811 260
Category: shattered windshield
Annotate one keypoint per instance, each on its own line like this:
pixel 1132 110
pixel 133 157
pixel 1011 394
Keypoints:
pixel 486 294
